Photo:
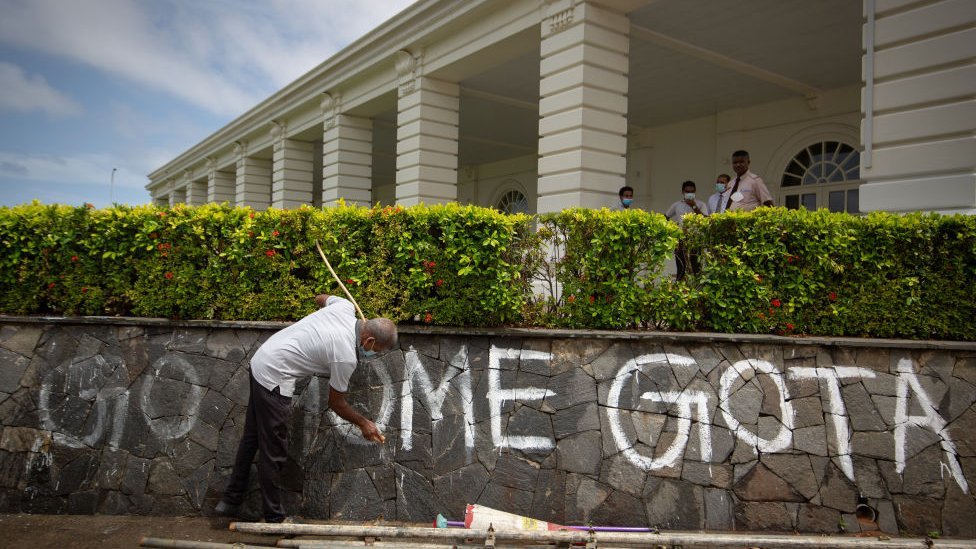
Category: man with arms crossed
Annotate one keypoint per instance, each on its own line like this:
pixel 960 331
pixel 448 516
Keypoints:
pixel 323 343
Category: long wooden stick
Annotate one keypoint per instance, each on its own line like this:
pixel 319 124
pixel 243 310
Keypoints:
pixel 341 285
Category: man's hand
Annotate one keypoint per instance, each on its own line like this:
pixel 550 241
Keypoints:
pixel 338 404
pixel 370 432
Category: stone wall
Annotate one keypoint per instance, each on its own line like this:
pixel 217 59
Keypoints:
pixel 678 431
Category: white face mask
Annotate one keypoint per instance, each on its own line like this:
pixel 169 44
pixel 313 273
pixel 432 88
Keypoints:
pixel 689 196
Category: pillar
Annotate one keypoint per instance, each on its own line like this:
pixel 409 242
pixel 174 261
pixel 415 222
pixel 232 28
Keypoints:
pixel 919 113
pixel 220 184
pixel 347 156
pixel 582 105
pixel 427 136
pixel 252 180
pixel 196 192
pixel 291 175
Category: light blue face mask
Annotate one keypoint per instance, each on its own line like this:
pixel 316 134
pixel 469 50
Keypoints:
pixel 627 201
pixel 367 354
pixel 720 187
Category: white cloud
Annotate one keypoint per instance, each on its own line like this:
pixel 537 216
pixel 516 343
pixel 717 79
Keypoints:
pixel 222 56
pixel 26 94
pixel 74 170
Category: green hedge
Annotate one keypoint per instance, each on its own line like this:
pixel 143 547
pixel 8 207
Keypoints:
pixel 790 272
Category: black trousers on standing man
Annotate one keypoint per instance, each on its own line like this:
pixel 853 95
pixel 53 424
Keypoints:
pixel 265 431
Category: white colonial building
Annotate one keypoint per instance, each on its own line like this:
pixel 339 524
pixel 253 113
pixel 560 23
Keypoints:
pixel 539 105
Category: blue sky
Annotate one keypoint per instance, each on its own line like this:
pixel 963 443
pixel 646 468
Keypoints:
pixel 91 85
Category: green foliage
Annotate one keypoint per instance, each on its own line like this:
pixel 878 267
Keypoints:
pixel 790 272
pixel 606 265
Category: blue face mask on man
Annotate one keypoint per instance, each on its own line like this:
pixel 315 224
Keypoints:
pixel 370 353
pixel 627 201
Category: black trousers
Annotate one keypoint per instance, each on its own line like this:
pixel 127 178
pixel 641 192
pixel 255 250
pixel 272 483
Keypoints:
pixel 686 261
pixel 265 430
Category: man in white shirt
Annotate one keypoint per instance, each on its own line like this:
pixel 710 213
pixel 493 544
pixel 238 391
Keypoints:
pixel 626 194
pixel 715 203
pixel 685 260
pixel 324 343
pixel 748 190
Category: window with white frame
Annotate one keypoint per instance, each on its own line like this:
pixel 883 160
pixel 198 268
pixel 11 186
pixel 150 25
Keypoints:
pixel 512 201
pixel 825 174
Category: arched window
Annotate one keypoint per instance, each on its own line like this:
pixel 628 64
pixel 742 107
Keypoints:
pixel 512 201
pixel 825 174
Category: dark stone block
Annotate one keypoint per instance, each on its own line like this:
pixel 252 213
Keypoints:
pixel 75 474
pixel 238 388
pixel 620 509
pixel 384 481
pixel 549 496
pixel 204 434
pixel 83 503
pixel 316 498
pixel 796 470
pixel 673 505
pixel 718 509
pixel 539 366
pixel 415 500
pixel 769 516
pixel 14 366
pixel 449 449
pixel 172 506
pixel 918 515
pixel 136 476
pixel 569 421
pixel 822 520
pixel 114 503
pixel 19 409
pixel 571 389
pixel 506 498
pixel 461 487
pixel 924 473
pixel 111 469
pixel 163 479
pixel 837 492
pixel 21 339
pixel 188 456
pixel 620 474
pixel 583 496
pixel 517 473
pixel 197 484
pixel 761 484
pixel 580 453
pixel 225 345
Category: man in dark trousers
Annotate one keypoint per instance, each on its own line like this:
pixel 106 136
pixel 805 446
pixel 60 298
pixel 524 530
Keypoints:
pixel 325 343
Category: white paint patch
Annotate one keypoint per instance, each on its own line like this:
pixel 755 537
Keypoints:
pixel 744 369
pixel 498 396
pixel 930 419
pixel 838 411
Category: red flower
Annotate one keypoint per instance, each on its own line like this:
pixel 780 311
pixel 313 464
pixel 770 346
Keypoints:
pixel 776 303
pixel 571 298
pixel 275 233
pixel 270 253
pixel 439 283
pixel 592 299
pixel 83 289
pixel 162 214
pixel 790 258
pixel 789 326
pixel 89 205
pixel 759 279
pixel 760 315
pixel 251 215
pixel 350 281
pixel 169 275
pixel 428 318
pixel 51 285
pixel 832 296
pixel 74 258
pixel 250 234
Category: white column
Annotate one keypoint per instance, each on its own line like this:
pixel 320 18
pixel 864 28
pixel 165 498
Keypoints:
pixel 196 192
pixel 347 156
pixel 919 113
pixel 178 196
pixel 427 136
pixel 291 175
pixel 253 180
pixel 582 105
pixel 220 185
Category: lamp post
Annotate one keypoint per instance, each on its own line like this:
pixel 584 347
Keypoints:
pixel 111 187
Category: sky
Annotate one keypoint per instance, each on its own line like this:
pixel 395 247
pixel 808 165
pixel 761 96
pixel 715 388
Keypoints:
pixel 96 94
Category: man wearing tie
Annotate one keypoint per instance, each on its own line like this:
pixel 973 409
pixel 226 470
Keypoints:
pixel 747 191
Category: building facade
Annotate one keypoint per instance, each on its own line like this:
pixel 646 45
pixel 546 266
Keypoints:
pixel 540 105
